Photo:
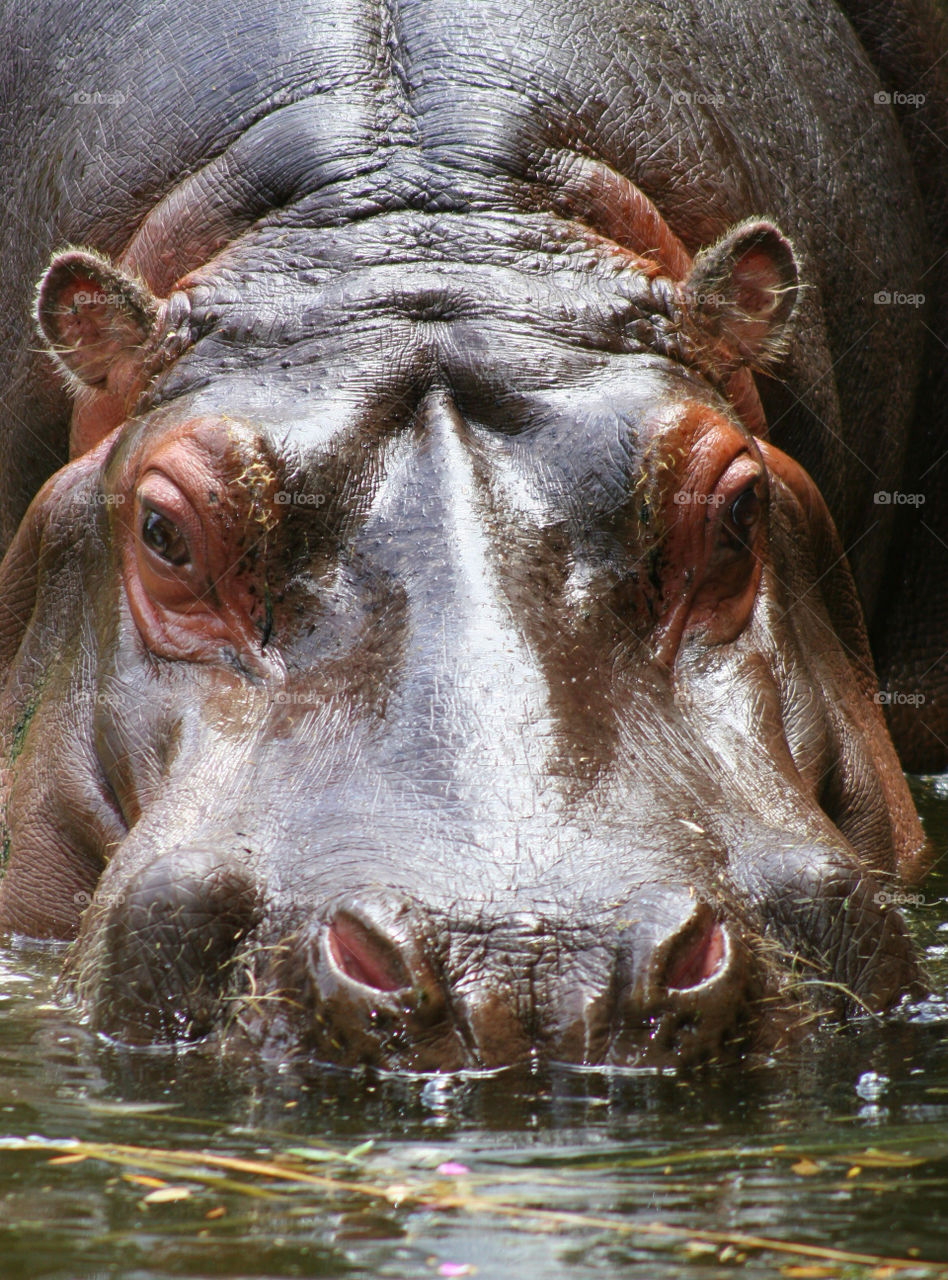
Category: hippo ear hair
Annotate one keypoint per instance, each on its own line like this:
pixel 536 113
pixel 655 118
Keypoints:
pixel 90 312
pixel 743 290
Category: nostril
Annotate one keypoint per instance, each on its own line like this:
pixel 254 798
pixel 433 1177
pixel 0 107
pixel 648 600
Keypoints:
pixel 683 981
pixel 366 956
pixel 698 954
pixel 169 943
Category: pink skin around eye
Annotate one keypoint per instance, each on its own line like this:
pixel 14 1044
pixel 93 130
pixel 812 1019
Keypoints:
pixel 708 584
pixel 180 587
pixel 207 602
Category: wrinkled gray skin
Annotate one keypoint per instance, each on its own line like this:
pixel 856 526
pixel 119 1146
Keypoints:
pixel 471 751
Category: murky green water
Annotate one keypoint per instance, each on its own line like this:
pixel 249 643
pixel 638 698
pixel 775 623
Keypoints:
pixel 840 1145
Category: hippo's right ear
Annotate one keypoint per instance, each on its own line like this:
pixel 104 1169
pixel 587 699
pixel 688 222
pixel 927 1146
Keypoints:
pixel 742 292
pixel 92 314
pixel 102 328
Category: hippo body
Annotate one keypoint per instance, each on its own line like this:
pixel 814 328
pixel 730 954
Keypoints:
pixel 425 640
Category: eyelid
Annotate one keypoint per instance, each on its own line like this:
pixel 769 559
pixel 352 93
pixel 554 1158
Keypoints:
pixel 741 472
pixel 148 507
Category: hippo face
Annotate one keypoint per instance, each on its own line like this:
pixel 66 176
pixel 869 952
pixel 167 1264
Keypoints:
pixel 423 662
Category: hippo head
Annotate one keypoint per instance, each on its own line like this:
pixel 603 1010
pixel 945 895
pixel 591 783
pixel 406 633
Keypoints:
pixel 425 661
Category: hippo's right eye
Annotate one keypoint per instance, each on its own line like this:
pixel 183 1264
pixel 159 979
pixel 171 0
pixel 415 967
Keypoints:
pixel 190 581
pixel 164 537
pixel 745 510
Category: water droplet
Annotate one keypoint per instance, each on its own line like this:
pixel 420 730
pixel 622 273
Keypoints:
pixel 871 1086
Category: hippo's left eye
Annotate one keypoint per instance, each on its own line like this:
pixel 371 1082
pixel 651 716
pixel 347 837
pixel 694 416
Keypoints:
pixel 734 533
pixel 745 510
pixel 164 537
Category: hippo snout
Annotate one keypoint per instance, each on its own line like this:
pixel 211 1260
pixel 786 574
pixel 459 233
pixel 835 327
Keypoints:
pixel 660 979
pixel 379 978
pixel 198 942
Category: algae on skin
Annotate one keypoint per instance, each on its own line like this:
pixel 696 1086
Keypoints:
pixel 22 726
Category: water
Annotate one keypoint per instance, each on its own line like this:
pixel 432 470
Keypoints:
pixel 840 1145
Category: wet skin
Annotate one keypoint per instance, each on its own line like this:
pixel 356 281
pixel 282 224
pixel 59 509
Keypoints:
pixel 426 661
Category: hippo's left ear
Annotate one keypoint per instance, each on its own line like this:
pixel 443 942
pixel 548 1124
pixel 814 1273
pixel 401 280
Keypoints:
pixel 742 291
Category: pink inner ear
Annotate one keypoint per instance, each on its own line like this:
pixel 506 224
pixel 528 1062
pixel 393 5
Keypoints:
pixel 756 282
pixel 84 284
pixel 79 312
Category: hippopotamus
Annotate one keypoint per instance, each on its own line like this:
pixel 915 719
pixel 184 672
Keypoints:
pixel 460 462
